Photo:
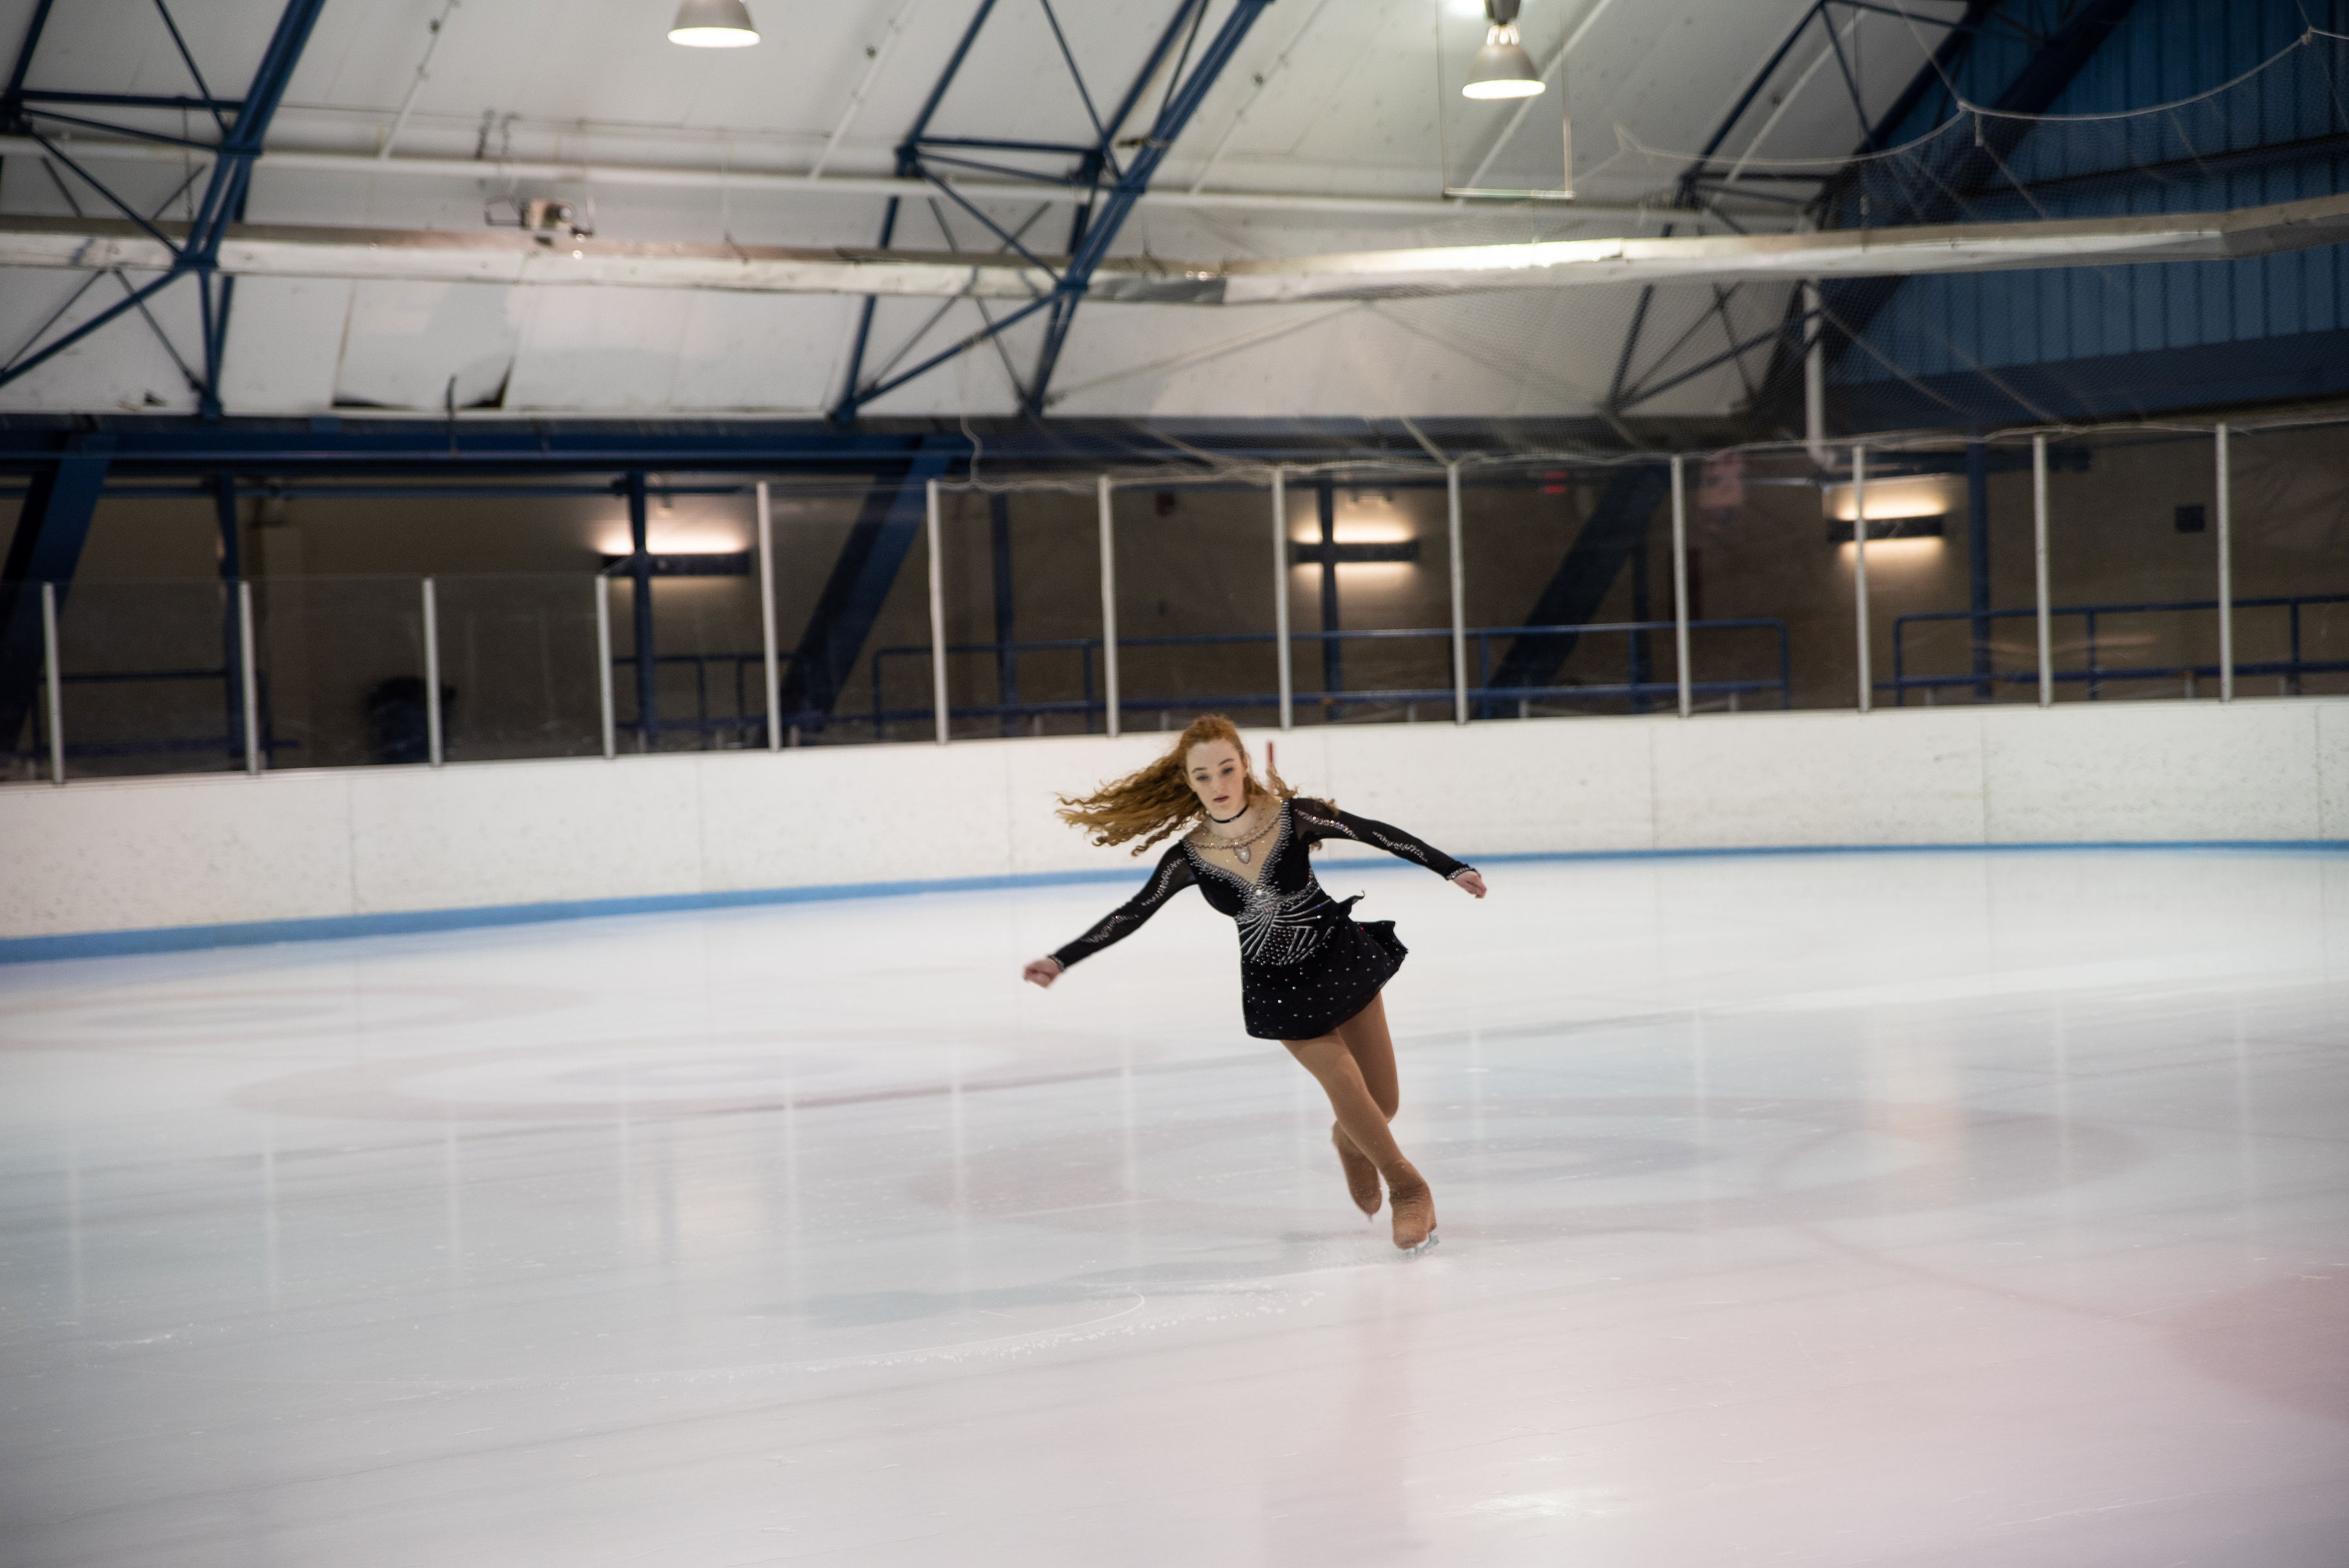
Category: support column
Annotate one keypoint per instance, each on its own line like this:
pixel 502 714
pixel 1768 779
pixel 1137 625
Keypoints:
pixel 433 717
pixel 1333 658
pixel 1109 607
pixel 1280 598
pixel 1007 624
pixel 1680 586
pixel 1978 595
pixel 1859 572
pixel 941 715
pixel 640 572
pixel 2226 569
pixel 2039 571
pixel 767 617
pixel 1459 596
pixel 232 569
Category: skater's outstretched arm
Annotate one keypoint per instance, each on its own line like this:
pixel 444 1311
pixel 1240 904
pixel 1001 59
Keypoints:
pixel 1174 875
pixel 1317 820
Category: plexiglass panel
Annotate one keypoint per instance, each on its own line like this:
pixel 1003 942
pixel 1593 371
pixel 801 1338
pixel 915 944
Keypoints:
pixel 149 682
pixel 1370 595
pixel 1195 581
pixel 518 661
pixel 1023 611
pixel 341 665
pixel 2290 562
pixel 2133 566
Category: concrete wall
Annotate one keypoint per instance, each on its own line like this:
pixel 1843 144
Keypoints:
pixel 214 850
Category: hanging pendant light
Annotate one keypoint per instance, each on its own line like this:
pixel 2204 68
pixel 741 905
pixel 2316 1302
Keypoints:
pixel 713 25
pixel 1502 67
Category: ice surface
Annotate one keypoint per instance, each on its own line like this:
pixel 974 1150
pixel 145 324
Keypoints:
pixel 1932 1209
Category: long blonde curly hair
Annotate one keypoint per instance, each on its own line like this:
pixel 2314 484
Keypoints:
pixel 1158 800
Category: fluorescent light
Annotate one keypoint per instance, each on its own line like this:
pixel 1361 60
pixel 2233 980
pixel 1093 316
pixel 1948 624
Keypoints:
pixel 713 25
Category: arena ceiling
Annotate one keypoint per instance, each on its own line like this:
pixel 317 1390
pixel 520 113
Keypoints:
pixel 1327 135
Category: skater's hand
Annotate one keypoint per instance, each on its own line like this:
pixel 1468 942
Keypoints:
pixel 1043 971
pixel 1471 883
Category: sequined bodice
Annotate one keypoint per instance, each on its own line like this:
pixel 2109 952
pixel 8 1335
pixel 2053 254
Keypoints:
pixel 1282 916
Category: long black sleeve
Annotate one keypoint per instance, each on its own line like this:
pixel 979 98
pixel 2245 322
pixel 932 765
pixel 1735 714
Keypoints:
pixel 1174 875
pixel 1316 820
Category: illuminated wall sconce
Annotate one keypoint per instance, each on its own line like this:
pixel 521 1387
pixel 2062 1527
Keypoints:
pixel 735 564
pixel 1302 553
pixel 1909 506
pixel 1840 529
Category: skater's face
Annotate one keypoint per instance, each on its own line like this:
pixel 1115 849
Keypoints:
pixel 1217 776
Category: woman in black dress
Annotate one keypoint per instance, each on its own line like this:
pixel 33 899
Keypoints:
pixel 1309 976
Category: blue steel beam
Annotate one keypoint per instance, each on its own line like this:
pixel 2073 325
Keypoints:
pixel 893 518
pixel 1943 190
pixel 1092 231
pixel 1616 530
pixel 223 202
pixel 51 528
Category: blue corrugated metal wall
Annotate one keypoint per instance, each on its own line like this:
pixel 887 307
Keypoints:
pixel 2280 135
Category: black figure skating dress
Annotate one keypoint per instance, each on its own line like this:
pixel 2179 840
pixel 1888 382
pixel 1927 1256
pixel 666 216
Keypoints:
pixel 1305 966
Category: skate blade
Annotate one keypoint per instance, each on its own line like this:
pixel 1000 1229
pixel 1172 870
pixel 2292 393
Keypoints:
pixel 1424 1247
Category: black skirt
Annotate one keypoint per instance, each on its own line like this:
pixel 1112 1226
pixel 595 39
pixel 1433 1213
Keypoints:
pixel 1342 976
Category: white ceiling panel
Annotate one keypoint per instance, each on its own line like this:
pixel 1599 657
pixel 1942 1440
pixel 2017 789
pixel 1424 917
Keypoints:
pixel 425 345
pixel 285 342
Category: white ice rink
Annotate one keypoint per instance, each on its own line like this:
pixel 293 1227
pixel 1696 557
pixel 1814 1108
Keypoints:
pixel 1980 1209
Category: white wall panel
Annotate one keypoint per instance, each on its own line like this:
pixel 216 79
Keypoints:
pixel 467 836
pixel 174 852
pixel 1734 780
pixel 2153 770
pixel 221 848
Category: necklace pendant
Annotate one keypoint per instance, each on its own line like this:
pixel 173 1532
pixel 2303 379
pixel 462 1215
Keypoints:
pixel 1243 855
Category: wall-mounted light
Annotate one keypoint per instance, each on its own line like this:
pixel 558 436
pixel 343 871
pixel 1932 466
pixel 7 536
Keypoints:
pixel 665 539
pixel 1502 67
pixel 713 25
pixel 1914 507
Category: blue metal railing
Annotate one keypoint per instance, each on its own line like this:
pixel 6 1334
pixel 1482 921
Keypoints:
pixel 2293 668
pixel 1482 695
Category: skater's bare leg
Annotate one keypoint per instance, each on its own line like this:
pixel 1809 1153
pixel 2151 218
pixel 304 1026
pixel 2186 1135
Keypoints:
pixel 1368 1042
pixel 1365 1123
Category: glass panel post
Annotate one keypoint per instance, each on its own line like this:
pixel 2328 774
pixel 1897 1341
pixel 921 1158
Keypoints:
pixel 432 731
pixel 1459 597
pixel 2226 575
pixel 2039 558
pixel 1859 570
pixel 253 753
pixel 55 684
pixel 1280 589
pixel 603 664
pixel 1680 584
pixel 1109 607
pixel 938 710
pixel 767 617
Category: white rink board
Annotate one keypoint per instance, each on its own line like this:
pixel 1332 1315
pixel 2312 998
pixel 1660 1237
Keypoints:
pixel 144 853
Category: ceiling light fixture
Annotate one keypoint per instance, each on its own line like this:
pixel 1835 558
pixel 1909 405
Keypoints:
pixel 1502 67
pixel 713 25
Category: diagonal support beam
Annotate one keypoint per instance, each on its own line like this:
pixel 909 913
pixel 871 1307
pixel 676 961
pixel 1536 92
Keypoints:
pixel 1616 531
pixel 893 518
pixel 51 529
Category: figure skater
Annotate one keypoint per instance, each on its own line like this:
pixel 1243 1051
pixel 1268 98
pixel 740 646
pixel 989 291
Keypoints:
pixel 1309 976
